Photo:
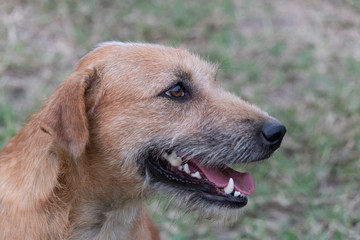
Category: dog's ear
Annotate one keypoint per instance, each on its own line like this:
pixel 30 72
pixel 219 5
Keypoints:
pixel 64 116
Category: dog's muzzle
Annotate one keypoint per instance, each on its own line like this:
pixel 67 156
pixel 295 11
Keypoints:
pixel 199 164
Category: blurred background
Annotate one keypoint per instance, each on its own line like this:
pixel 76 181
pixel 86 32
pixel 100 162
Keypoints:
pixel 299 60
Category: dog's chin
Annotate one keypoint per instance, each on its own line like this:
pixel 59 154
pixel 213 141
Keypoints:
pixel 197 206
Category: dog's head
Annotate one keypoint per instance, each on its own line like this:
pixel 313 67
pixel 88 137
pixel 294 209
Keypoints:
pixel 154 117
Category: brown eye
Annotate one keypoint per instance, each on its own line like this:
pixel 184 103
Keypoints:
pixel 176 92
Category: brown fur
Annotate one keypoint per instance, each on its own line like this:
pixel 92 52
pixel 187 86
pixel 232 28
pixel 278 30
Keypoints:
pixel 71 171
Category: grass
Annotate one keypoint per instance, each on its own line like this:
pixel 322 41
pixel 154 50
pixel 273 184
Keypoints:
pixel 299 61
pixel 7 125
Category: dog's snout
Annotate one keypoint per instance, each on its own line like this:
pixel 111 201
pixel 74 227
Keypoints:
pixel 273 132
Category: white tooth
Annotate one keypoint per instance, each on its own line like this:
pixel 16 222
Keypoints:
pixel 173 154
pixel 230 187
pixel 196 175
pixel 173 159
pixel 186 168
pixel 180 168
pixel 236 194
pixel 175 162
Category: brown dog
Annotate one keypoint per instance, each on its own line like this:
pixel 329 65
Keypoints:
pixel 131 119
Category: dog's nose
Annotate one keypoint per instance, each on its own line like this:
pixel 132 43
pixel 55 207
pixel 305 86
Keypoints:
pixel 273 132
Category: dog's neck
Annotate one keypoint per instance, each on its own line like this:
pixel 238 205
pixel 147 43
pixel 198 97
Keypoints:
pixel 104 207
pixel 91 220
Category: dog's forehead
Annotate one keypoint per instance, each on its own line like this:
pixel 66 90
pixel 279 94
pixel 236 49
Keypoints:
pixel 147 69
pixel 151 61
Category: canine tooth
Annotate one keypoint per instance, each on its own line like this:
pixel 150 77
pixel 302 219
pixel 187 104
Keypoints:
pixel 175 162
pixel 187 169
pixel 173 154
pixel 230 187
pixel 236 194
pixel 180 168
pixel 173 159
pixel 196 175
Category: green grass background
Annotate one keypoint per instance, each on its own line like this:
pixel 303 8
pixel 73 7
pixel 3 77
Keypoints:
pixel 299 60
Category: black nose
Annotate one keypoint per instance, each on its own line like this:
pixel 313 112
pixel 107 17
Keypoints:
pixel 273 132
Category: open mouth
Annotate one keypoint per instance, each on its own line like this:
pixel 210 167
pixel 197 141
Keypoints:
pixel 220 185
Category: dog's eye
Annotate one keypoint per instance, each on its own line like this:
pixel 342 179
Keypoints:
pixel 176 92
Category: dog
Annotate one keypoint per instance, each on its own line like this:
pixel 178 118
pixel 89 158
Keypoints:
pixel 133 118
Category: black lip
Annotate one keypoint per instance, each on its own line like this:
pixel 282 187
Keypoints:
pixel 201 189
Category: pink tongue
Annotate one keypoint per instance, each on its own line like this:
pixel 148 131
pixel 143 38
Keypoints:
pixel 243 182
